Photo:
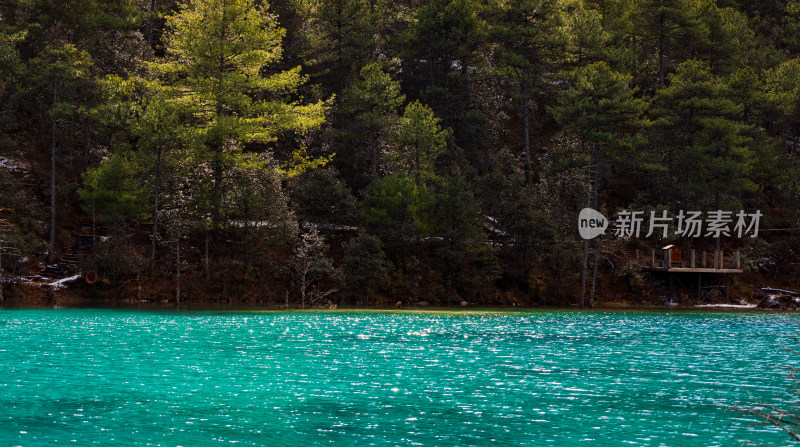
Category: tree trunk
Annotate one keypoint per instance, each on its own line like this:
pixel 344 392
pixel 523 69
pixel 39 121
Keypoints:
pixel 688 166
pixel 526 137
pixel 152 27
pixel 416 165
pixel 155 216
pixel 219 145
pixel 595 177
pixel 583 272
pixel 217 199
pixel 207 267
pixel 94 225
pixel 51 252
pixel 589 196
pixel 716 201
pixel 303 285
pixel 671 173
pixel 374 154
pixel 1 273
pixel 594 276
pixel 177 264
pixel 661 53
pixel 246 230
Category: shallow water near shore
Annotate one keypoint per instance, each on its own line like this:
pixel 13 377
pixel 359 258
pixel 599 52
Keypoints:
pixel 126 377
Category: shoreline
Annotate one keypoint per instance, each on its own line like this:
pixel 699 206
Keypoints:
pixel 236 308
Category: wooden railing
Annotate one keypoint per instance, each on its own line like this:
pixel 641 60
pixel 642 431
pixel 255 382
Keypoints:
pixel 697 259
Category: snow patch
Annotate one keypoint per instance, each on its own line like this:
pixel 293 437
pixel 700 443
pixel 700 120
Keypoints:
pixel 327 226
pixel 61 282
pixel 12 165
pixel 729 306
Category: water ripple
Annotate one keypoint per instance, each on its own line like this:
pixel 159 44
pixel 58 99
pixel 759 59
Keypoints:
pixel 99 377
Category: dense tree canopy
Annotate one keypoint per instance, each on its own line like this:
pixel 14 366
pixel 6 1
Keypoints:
pixel 415 151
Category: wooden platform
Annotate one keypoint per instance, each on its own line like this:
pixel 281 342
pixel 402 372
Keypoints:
pixel 689 273
pixel 693 270
pixel 670 260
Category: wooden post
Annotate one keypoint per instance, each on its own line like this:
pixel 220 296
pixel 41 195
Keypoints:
pixel 699 288
pixel 1 273
pixel 667 260
pixel 704 260
pixel 738 260
pixel 671 294
pixel 727 289
pixel 653 258
pixel 177 264
pixel 691 259
pixel 721 259
pixel 636 256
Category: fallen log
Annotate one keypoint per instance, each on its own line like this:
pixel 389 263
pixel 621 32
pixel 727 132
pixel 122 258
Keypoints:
pixel 784 292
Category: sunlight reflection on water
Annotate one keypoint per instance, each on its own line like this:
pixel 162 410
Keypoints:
pixel 351 378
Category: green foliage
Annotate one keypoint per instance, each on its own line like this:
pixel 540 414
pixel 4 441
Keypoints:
pixel 113 190
pixel 446 35
pixel 144 110
pixel 746 88
pixel 366 267
pixel 668 28
pixel 373 99
pixel 727 40
pixel 783 95
pixel 84 18
pixel 468 262
pixel 339 34
pixel 11 66
pixel 601 107
pixel 420 140
pixel 216 65
pixel 301 161
pixel 791 26
pixel 321 196
pixel 447 30
pixel 399 210
pixel 517 221
pixel 527 33
pixel 62 67
pixel 582 32
pixel 63 61
pixel 12 71
pixel 217 51
pixel 696 118
pixel 455 122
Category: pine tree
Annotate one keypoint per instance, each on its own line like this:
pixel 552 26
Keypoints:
pixel 12 71
pixel 133 108
pixel 60 68
pixel 666 27
pixel 339 36
pixel 420 141
pixel 469 263
pixel 366 267
pixel 218 54
pixel 114 190
pixel 446 35
pixel 374 99
pixel 726 41
pixel 602 109
pixel 697 123
pixel 527 35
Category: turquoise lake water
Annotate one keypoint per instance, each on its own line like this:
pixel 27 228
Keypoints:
pixel 120 377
